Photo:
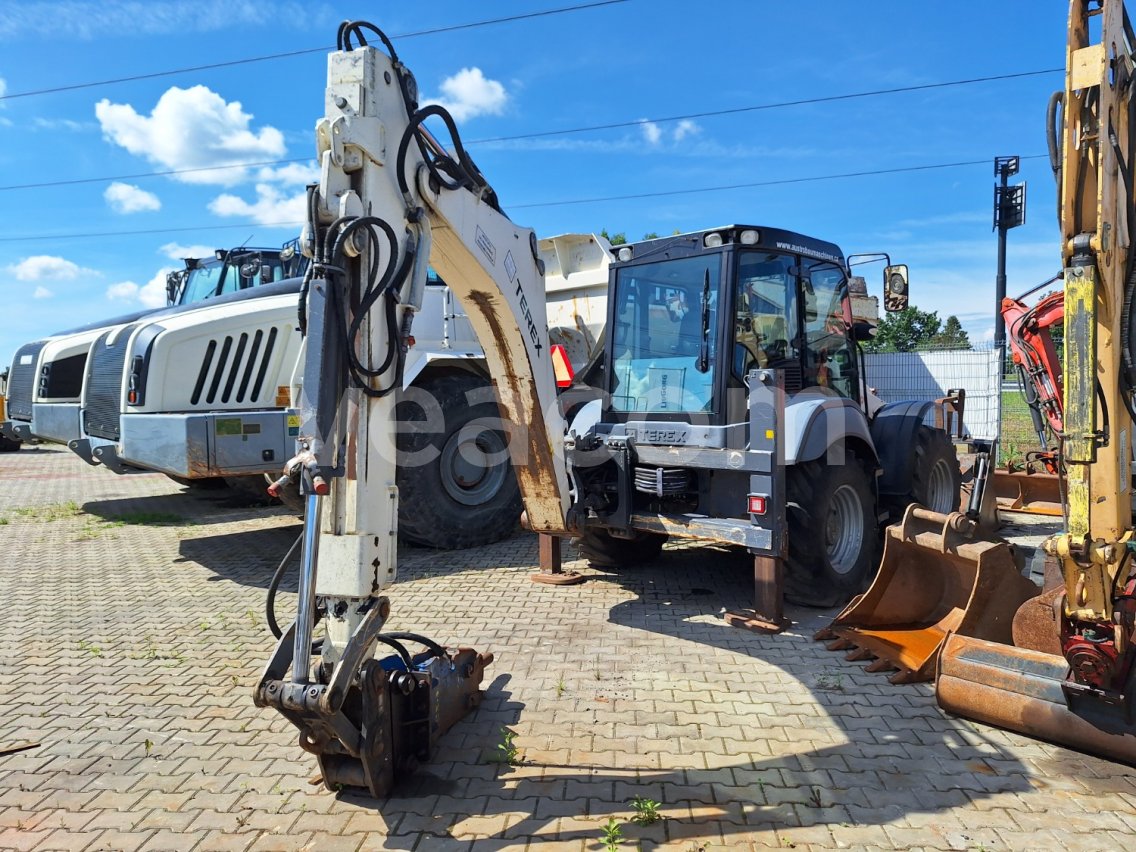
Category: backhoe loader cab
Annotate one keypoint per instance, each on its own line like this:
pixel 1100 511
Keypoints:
pixel 689 438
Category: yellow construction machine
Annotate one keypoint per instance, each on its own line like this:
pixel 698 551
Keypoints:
pixel 950 602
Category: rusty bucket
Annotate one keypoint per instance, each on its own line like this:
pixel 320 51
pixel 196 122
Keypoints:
pixel 936 578
pixel 1029 491
pixel 1022 689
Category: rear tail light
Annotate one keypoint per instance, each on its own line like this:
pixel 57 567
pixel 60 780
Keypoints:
pixel 758 503
pixel 135 393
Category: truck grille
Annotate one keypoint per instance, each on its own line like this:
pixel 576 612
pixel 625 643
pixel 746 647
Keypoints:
pixel 103 397
pixel 234 368
pixel 22 380
pixel 663 481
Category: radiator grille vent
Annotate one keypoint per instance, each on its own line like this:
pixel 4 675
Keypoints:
pixel 233 368
pixel 22 381
pixel 102 400
pixel 663 481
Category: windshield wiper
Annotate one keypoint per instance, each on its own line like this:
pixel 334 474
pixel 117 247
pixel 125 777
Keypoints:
pixel 704 344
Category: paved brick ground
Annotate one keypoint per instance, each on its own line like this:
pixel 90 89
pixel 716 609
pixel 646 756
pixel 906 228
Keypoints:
pixel 133 632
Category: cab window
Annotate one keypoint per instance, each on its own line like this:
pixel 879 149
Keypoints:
pixel 829 361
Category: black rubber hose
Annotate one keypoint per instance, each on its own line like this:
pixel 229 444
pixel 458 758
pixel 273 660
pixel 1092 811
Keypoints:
pixel 399 648
pixel 1053 137
pixel 434 648
pixel 274 587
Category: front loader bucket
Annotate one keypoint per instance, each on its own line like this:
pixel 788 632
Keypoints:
pixel 934 580
pixel 1021 690
pixel 1028 492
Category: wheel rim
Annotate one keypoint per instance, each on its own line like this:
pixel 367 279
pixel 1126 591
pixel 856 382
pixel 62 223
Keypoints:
pixel 466 471
pixel 844 529
pixel 940 485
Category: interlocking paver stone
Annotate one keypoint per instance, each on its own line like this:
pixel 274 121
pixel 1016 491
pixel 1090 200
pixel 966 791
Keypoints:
pixel 137 646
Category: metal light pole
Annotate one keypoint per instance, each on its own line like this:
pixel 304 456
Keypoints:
pixel 1009 212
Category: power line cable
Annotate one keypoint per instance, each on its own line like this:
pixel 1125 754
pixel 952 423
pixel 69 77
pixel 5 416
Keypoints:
pixel 776 105
pixel 666 192
pixel 562 203
pixel 566 131
pixel 75 181
pixel 287 54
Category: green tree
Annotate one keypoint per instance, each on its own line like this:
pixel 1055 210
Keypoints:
pixel 905 330
pixel 953 335
pixel 615 239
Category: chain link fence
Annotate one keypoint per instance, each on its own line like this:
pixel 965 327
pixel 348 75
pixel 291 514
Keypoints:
pixel 929 374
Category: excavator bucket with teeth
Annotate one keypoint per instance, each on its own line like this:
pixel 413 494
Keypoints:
pixel 936 579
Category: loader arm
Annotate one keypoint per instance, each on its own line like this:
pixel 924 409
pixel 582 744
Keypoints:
pixel 1068 675
pixel 390 200
pixel 1096 196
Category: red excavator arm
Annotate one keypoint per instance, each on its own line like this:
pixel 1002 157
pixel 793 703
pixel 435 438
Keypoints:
pixel 1036 359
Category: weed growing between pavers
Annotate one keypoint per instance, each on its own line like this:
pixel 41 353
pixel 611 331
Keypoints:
pixel 612 836
pixel 646 811
pixel 507 753
pixel 93 525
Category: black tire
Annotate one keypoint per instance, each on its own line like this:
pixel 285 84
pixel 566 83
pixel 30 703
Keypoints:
pixel 833 533
pixel 250 490
pixel 463 491
pixel 7 445
pixel 935 476
pixel 603 550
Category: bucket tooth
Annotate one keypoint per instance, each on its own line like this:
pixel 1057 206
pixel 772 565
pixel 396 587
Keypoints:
pixel 880 665
pixel 825 634
pixel 904 676
pixel 858 654
pixel 936 578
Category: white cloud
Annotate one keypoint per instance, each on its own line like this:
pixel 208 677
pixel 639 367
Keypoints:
pixel 126 198
pixel 46 267
pixel 272 207
pixel 152 294
pixel 292 173
pixel 122 290
pixel 191 129
pixel 686 128
pixel 42 293
pixel 469 93
pixel 175 251
pixel 651 131
pixel 40 123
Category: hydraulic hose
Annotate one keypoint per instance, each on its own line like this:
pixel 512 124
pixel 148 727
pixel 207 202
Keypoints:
pixel 274 587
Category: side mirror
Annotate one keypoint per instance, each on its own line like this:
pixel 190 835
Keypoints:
pixel 862 332
pixel 896 294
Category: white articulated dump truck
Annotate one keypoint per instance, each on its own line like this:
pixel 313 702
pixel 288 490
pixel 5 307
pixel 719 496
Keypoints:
pixel 212 391
pixel 46 376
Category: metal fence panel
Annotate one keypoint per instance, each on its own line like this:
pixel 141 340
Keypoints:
pixel 928 375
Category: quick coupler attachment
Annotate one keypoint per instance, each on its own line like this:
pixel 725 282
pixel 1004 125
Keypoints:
pixel 374 720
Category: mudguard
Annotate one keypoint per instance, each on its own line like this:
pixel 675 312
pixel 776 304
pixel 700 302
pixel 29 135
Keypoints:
pixel 893 432
pixel 813 423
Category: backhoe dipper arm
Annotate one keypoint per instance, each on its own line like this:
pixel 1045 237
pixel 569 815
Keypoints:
pixel 390 199
pixel 1036 358
pixel 1095 161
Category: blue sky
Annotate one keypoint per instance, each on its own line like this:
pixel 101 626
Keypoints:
pixel 632 61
